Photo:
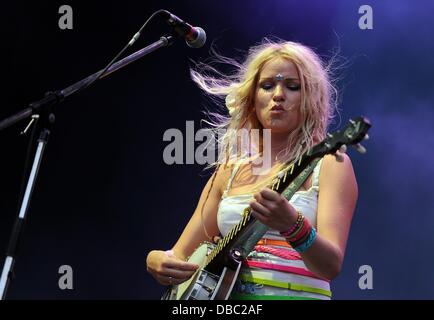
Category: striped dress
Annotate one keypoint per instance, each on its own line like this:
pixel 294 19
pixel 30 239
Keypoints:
pixel 274 270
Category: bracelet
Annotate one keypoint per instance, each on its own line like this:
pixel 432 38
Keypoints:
pixel 297 223
pixel 302 239
pixel 308 243
pixel 301 233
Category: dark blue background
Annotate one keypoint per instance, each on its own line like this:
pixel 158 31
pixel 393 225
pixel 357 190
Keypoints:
pixel 104 196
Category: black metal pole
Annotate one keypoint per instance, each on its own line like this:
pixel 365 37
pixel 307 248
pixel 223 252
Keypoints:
pixel 57 96
pixel 44 107
pixel 19 222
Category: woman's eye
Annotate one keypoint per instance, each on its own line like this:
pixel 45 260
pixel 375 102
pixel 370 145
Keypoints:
pixel 266 85
pixel 294 87
pixel 270 85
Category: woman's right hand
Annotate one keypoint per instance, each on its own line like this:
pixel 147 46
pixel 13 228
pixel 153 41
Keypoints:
pixel 168 269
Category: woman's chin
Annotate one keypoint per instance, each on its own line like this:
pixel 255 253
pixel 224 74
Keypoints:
pixel 279 130
pixel 277 126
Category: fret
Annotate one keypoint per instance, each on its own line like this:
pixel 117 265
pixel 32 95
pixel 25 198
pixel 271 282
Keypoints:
pixel 278 184
pixel 246 216
pixel 240 225
pixel 231 234
pixel 291 167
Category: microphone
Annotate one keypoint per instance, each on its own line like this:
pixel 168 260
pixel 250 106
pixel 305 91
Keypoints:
pixel 195 37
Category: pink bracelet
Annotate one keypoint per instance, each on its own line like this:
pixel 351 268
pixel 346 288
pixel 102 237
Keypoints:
pixel 299 220
pixel 305 229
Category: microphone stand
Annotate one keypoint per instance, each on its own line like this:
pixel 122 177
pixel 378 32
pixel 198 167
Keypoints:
pixel 43 112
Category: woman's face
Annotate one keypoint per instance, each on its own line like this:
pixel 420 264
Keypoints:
pixel 278 96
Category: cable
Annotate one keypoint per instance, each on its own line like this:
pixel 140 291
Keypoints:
pixel 129 44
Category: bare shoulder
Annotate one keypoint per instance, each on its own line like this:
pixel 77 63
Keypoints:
pixel 331 164
pixel 336 172
pixel 222 176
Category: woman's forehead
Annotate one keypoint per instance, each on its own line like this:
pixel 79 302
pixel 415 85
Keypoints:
pixel 281 66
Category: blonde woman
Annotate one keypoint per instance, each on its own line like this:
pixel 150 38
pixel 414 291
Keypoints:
pixel 285 88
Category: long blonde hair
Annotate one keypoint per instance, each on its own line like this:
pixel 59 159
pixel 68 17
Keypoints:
pixel 318 97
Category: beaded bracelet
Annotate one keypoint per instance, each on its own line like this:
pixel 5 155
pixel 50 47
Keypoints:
pixel 297 230
pixel 308 243
pixel 296 224
pixel 301 233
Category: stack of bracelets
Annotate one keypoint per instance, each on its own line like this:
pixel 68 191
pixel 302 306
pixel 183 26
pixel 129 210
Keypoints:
pixel 301 234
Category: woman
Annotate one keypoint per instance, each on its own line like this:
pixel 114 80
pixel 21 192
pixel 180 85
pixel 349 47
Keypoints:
pixel 283 87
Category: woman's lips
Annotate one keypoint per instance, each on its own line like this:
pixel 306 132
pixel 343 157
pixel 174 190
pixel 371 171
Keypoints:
pixel 277 109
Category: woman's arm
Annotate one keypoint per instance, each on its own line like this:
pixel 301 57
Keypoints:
pixel 336 203
pixel 194 232
pixel 169 269
pixel 337 199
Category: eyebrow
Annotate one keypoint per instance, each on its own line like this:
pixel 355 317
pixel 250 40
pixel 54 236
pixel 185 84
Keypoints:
pixel 272 78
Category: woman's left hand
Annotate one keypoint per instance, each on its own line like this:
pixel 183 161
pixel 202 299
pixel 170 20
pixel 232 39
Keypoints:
pixel 273 210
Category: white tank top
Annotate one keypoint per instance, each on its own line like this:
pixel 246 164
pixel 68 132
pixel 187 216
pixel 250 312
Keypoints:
pixel 306 201
pixel 231 207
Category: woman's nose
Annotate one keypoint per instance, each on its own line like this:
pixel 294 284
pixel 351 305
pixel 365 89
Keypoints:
pixel 279 94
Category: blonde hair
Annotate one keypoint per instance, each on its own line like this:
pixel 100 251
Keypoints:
pixel 318 97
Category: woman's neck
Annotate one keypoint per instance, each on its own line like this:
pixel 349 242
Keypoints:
pixel 272 155
pixel 279 144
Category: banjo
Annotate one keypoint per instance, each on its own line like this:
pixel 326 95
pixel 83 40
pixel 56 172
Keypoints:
pixel 219 264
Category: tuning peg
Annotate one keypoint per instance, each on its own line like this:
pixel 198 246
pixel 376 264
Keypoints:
pixel 339 157
pixel 343 149
pixel 366 137
pixel 360 148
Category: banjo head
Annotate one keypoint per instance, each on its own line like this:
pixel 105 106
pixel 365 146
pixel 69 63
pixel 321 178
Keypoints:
pixel 198 257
